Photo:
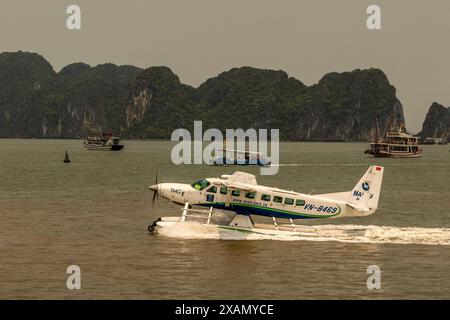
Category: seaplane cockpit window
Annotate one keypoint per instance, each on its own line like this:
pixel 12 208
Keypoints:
pixel 288 201
pixel 200 184
pixel 250 195
pixel 277 199
pixel 223 190
pixel 236 192
pixel 299 202
pixel 213 189
pixel 265 197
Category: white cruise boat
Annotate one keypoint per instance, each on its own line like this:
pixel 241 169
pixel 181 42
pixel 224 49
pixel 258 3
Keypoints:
pixel 398 144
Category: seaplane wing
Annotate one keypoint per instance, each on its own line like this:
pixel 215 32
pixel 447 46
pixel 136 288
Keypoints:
pixel 238 180
pixel 240 177
pixel 237 185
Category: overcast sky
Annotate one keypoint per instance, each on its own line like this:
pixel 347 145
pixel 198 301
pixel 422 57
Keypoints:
pixel 198 39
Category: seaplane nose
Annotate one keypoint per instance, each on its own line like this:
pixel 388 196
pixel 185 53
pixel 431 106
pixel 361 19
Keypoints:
pixel 153 187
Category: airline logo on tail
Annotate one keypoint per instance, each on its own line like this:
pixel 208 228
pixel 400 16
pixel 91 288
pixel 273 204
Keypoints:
pixel 367 191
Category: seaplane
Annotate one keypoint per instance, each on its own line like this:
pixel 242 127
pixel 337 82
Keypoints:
pixel 241 194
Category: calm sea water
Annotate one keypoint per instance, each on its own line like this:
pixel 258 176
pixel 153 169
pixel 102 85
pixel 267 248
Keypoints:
pixel 94 213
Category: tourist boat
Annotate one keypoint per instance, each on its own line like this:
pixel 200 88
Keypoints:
pixel 398 144
pixel 240 157
pixel 103 143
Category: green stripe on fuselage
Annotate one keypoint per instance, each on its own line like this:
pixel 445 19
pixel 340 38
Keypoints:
pixel 237 204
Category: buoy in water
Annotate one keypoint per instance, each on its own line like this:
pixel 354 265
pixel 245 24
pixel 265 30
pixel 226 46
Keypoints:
pixel 66 158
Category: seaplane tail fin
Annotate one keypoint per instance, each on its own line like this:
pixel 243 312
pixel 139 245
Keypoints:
pixel 366 193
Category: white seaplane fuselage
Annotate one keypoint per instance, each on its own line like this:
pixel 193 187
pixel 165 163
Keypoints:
pixel 241 194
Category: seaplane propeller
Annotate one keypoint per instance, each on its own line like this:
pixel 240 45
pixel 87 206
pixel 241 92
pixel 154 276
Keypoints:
pixel 155 188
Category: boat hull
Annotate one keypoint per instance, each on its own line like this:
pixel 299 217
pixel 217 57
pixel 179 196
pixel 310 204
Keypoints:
pixel 388 154
pixel 104 148
pixel 116 147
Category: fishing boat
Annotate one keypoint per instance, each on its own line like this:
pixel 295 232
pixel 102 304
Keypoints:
pixel 397 144
pixel 104 143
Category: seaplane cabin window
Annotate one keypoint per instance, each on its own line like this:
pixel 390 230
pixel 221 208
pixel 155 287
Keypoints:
pixel 223 190
pixel 277 199
pixel 250 195
pixel 299 202
pixel 265 197
pixel 236 192
pixel 213 189
pixel 288 201
pixel 200 184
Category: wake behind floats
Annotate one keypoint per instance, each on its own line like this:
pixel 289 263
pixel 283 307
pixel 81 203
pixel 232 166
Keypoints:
pixel 240 193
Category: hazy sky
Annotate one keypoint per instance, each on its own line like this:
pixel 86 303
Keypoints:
pixel 198 39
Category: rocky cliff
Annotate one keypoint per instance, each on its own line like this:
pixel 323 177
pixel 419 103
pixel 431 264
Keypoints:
pixel 35 101
pixel 437 122
pixel 341 107
pixel 158 104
